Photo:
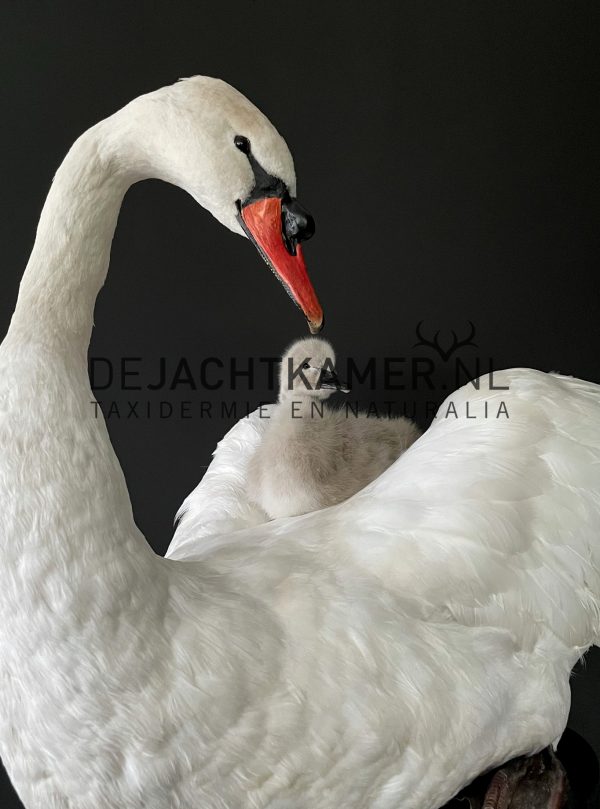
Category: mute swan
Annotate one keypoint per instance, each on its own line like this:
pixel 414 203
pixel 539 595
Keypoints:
pixel 313 456
pixel 379 653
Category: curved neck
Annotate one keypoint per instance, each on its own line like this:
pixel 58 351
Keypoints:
pixel 69 260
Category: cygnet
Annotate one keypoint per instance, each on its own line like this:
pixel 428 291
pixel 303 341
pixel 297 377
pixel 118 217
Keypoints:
pixel 313 455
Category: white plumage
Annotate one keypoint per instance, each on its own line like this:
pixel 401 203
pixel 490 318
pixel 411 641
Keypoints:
pixel 379 653
pixel 313 455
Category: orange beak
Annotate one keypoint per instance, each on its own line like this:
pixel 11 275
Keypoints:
pixel 263 223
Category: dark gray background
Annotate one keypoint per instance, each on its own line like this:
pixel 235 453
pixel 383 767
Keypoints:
pixel 448 151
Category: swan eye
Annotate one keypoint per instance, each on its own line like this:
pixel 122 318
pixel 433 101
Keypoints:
pixel 242 143
pixel 306 366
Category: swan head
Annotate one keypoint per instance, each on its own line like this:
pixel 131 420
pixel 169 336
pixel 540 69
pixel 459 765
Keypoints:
pixel 308 369
pixel 206 137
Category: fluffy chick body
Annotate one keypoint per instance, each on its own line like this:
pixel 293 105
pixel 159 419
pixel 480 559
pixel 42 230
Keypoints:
pixel 313 455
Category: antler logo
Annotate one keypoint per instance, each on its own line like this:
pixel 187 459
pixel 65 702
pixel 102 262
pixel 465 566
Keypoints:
pixel 445 353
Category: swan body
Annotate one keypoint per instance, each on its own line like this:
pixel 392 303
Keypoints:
pixel 477 540
pixel 378 653
pixel 312 455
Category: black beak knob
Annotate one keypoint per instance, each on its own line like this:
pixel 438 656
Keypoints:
pixel 297 224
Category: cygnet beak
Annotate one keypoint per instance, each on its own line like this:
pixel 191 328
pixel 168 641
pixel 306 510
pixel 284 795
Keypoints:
pixel 329 380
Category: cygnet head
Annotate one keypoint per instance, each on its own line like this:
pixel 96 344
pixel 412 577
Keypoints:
pixel 308 369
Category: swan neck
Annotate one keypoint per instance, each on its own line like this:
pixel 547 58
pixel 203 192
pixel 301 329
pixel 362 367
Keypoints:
pixel 70 257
